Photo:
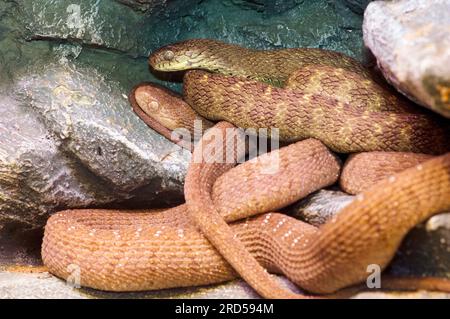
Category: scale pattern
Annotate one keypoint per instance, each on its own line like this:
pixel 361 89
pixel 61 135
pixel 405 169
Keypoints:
pixel 127 251
pixel 363 170
pixel 341 126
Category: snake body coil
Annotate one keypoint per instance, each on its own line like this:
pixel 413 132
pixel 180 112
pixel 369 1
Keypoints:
pixel 126 250
pixel 340 126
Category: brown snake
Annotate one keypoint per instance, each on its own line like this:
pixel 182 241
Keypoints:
pixel 124 251
pixel 363 170
pixel 138 251
pixel 161 250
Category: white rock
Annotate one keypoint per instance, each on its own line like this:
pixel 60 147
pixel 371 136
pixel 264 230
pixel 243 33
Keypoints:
pixel 411 41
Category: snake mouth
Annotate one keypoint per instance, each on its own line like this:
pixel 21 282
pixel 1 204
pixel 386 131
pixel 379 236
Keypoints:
pixel 177 63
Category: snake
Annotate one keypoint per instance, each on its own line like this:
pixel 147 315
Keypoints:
pixel 166 247
pixel 144 250
pixel 269 66
pixel 129 250
pixel 363 170
pixel 238 95
pixel 320 260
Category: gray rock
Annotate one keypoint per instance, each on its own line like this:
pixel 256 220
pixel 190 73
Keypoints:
pixel 357 6
pixel 149 6
pixel 411 41
pixel 70 139
pixel 94 122
pixel 108 25
pixel 92 23
pixel 45 286
pixel 320 206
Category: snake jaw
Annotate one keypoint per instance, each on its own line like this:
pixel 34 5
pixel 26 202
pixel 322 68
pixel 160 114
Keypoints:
pixel 178 63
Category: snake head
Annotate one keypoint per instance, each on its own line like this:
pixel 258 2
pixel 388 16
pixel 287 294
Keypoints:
pixel 165 112
pixel 189 54
pixel 158 103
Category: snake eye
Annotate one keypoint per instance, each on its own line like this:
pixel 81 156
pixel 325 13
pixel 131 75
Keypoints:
pixel 168 55
pixel 153 106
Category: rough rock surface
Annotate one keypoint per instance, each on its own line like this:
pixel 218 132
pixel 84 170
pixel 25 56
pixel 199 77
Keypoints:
pixel 411 41
pixel 320 206
pixel 45 286
pixel 117 39
pixel 70 139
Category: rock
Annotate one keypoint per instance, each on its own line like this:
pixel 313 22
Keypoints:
pixel 108 25
pixel 320 206
pixel 357 6
pixel 425 251
pixel 70 139
pixel 269 7
pixel 148 6
pixel 98 24
pixel 116 39
pixel 45 286
pixel 411 41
